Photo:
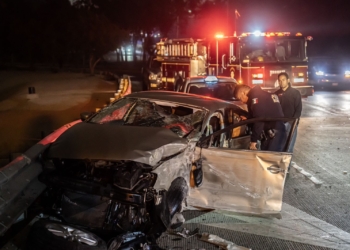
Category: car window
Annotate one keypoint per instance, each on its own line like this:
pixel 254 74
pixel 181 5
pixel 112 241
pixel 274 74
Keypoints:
pixel 232 138
pixel 222 90
pixel 231 117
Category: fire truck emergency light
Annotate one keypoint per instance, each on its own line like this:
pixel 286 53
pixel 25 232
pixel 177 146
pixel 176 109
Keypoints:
pixel 219 35
pixel 257 33
pixel 268 34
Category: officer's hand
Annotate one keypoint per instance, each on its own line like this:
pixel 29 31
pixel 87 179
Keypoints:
pixel 253 146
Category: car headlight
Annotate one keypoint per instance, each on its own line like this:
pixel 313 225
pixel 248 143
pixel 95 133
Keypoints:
pixel 347 73
pixel 319 73
pixel 152 76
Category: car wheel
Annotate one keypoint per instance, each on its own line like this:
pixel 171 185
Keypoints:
pixel 52 235
pixel 171 207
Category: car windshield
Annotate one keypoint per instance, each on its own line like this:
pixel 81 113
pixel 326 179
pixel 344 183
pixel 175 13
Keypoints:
pixel 181 119
pixel 221 90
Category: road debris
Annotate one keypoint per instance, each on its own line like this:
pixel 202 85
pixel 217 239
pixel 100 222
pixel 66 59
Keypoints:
pixel 185 233
pixel 223 244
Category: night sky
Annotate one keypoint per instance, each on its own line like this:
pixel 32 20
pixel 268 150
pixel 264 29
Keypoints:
pixel 28 26
pixel 315 17
pixel 327 21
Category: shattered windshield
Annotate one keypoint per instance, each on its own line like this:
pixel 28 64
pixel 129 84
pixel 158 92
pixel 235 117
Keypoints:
pixel 182 120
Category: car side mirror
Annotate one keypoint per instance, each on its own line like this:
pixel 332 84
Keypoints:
pixel 85 115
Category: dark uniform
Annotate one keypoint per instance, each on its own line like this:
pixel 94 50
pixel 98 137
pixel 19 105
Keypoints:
pixel 262 104
pixel 290 100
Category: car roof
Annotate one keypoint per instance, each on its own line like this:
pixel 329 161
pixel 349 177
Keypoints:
pixel 202 79
pixel 212 104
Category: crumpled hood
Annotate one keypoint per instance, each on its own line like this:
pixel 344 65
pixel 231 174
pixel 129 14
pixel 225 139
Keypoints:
pixel 114 142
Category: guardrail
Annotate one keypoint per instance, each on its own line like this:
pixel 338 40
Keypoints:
pixel 124 88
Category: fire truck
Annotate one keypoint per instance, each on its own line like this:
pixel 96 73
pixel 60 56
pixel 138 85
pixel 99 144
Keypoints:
pixel 251 58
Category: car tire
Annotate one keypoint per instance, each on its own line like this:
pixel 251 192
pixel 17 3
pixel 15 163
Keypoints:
pixel 40 237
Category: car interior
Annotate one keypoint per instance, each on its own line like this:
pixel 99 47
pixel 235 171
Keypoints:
pixel 236 138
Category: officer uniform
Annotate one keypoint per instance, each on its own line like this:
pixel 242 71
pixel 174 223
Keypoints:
pixel 262 104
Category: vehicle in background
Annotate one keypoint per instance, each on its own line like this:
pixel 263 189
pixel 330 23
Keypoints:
pixel 329 72
pixel 151 74
pixel 220 87
pixel 252 58
pixel 129 170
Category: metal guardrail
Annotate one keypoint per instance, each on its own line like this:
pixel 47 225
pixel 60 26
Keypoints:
pixel 124 88
pixel 19 186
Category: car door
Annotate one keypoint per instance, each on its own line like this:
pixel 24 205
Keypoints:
pixel 237 179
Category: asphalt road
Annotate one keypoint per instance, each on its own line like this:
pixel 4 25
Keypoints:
pixel 315 213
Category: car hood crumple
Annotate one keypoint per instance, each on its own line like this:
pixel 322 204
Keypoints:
pixel 148 145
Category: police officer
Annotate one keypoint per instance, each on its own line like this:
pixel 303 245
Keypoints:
pixel 262 104
pixel 290 100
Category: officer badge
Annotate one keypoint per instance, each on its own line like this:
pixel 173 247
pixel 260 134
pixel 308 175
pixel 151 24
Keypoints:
pixel 255 101
pixel 275 98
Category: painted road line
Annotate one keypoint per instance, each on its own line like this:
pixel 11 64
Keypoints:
pixel 295 225
pixel 312 178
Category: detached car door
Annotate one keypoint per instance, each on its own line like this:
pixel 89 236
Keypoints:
pixel 237 179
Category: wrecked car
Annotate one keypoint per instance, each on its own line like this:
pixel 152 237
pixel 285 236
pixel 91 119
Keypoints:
pixel 125 174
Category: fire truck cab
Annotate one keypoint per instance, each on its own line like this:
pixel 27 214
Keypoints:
pixel 251 58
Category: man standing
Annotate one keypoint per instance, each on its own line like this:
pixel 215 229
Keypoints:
pixel 262 104
pixel 290 100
